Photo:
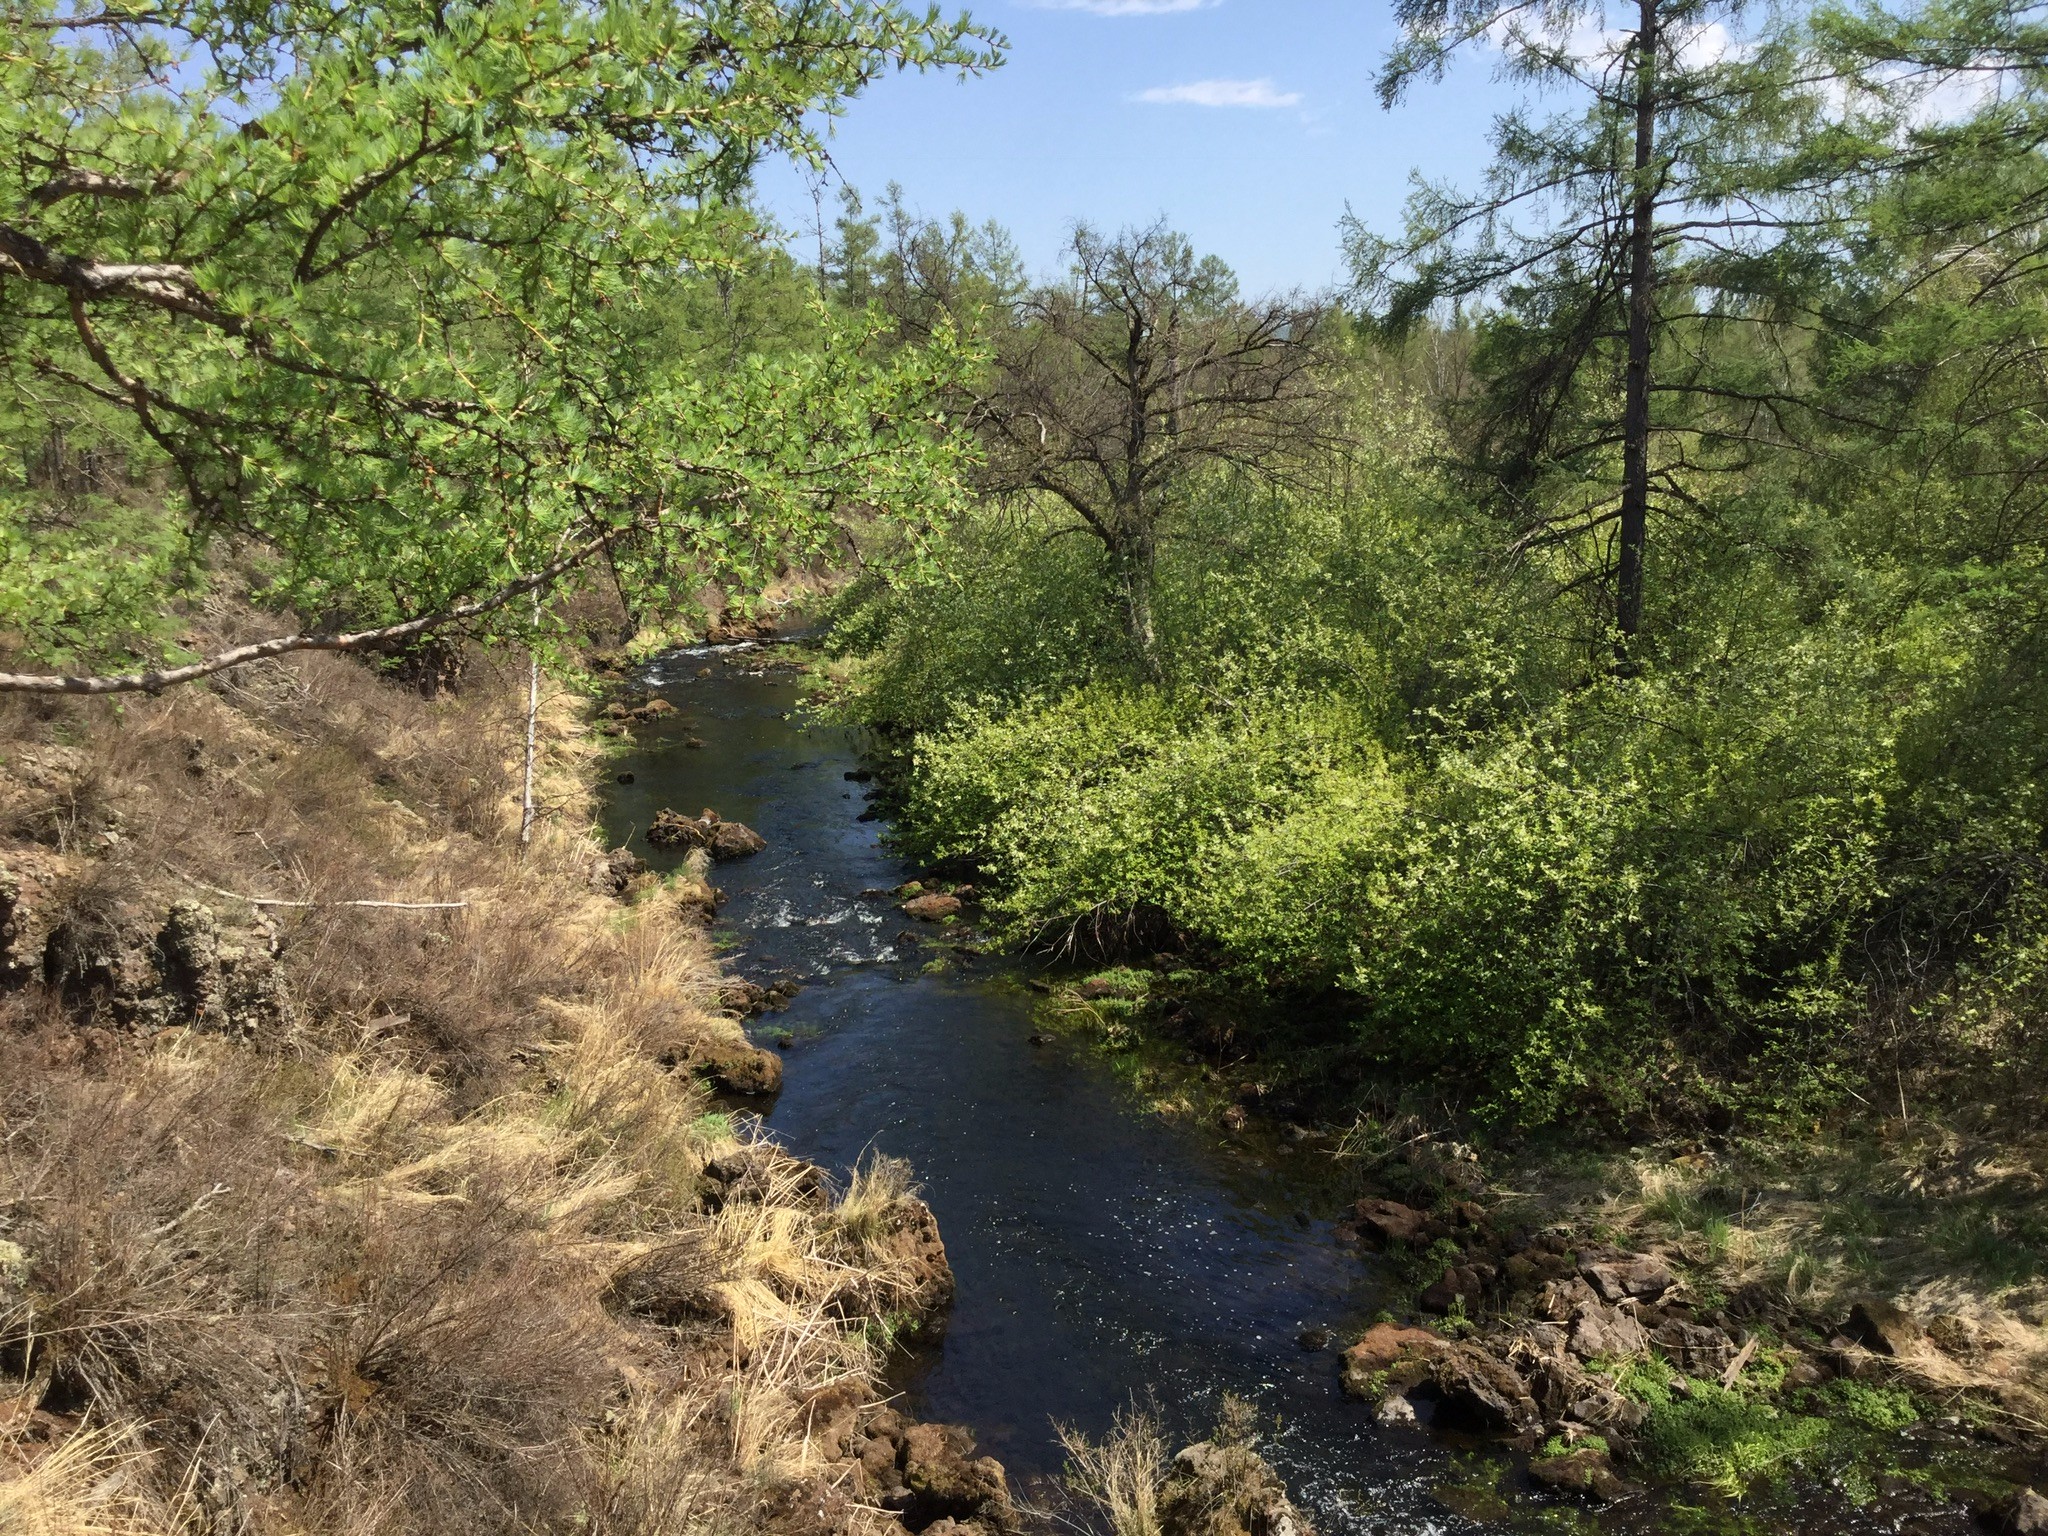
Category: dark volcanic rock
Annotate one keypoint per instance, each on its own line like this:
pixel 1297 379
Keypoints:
pixel 1224 1489
pixel 1643 1278
pixel 1599 1331
pixel 1588 1472
pixel 944 1480
pixel 2028 1515
pixel 1567 1393
pixel 1389 1221
pixel 1884 1327
pixel 1478 1393
pixel 718 837
pixel 1461 1282
pixel 1694 1348
pixel 610 875
pixel 1387 1351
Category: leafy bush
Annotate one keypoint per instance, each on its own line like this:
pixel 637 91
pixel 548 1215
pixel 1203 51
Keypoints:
pixel 1375 776
pixel 1537 908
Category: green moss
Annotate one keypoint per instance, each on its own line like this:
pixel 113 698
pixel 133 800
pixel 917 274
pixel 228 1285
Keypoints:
pixel 1871 1407
pixel 1723 1439
pixel 1420 1267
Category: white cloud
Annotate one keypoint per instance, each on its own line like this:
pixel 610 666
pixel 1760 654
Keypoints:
pixel 1220 93
pixel 1124 7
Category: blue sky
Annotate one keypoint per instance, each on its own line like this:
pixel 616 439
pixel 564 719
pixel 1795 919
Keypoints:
pixel 1250 124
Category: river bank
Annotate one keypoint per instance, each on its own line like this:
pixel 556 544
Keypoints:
pixel 362 1170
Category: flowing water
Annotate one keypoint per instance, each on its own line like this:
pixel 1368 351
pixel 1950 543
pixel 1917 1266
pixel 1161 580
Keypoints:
pixel 1104 1255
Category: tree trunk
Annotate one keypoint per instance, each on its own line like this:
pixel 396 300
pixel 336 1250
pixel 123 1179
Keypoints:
pixel 1131 562
pixel 1642 310
pixel 526 805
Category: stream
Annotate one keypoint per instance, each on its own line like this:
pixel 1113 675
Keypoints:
pixel 1104 1255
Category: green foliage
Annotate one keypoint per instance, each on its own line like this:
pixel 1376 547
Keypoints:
pixel 94 572
pixel 395 290
pixel 1867 1405
pixel 1722 1439
pixel 1382 773
pixel 1121 982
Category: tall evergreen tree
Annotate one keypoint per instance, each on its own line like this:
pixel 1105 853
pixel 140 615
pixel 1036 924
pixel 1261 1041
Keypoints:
pixel 1621 244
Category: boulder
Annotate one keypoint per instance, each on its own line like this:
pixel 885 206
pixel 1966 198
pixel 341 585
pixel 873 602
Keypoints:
pixel 1529 1269
pixel 733 840
pixel 932 908
pixel 735 1066
pixel 753 1173
pixel 22 935
pixel 1479 1394
pixel 1694 1348
pixel 672 829
pixel 944 1480
pixel 1602 1332
pixel 217 978
pixel 709 831
pixel 1532 1266
pixel 1461 1282
pixel 1389 1221
pixel 1587 1472
pixel 1566 1393
pixel 1388 1351
pixel 1559 1300
pixel 1639 1278
pixel 615 871
pixel 2028 1515
pixel 743 997
pixel 1217 1488
pixel 1884 1327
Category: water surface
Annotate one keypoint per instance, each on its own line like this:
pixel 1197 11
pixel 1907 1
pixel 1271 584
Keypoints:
pixel 1103 1255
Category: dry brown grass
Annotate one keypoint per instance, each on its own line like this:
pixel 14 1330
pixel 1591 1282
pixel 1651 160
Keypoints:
pixel 1122 1476
pixel 429 1250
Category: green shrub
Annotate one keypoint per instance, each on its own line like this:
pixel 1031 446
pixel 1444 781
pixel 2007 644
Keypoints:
pixel 1374 780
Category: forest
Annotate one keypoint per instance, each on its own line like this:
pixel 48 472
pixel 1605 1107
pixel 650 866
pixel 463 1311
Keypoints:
pixel 1577 685
pixel 1591 667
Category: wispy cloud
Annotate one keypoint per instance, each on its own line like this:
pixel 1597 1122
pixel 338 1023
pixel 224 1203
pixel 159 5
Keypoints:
pixel 1220 93
pixel 1124 7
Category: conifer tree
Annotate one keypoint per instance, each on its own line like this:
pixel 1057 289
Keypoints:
pixel 1630 252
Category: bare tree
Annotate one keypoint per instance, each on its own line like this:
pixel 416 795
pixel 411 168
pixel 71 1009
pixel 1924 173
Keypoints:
pixel 1112 391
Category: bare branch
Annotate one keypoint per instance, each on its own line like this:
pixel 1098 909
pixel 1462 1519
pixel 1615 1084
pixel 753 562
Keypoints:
pixel 282 645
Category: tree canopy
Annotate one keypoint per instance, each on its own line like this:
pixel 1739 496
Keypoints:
pixel 380 289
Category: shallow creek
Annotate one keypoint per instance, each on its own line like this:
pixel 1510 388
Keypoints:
pixel 1104 1255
